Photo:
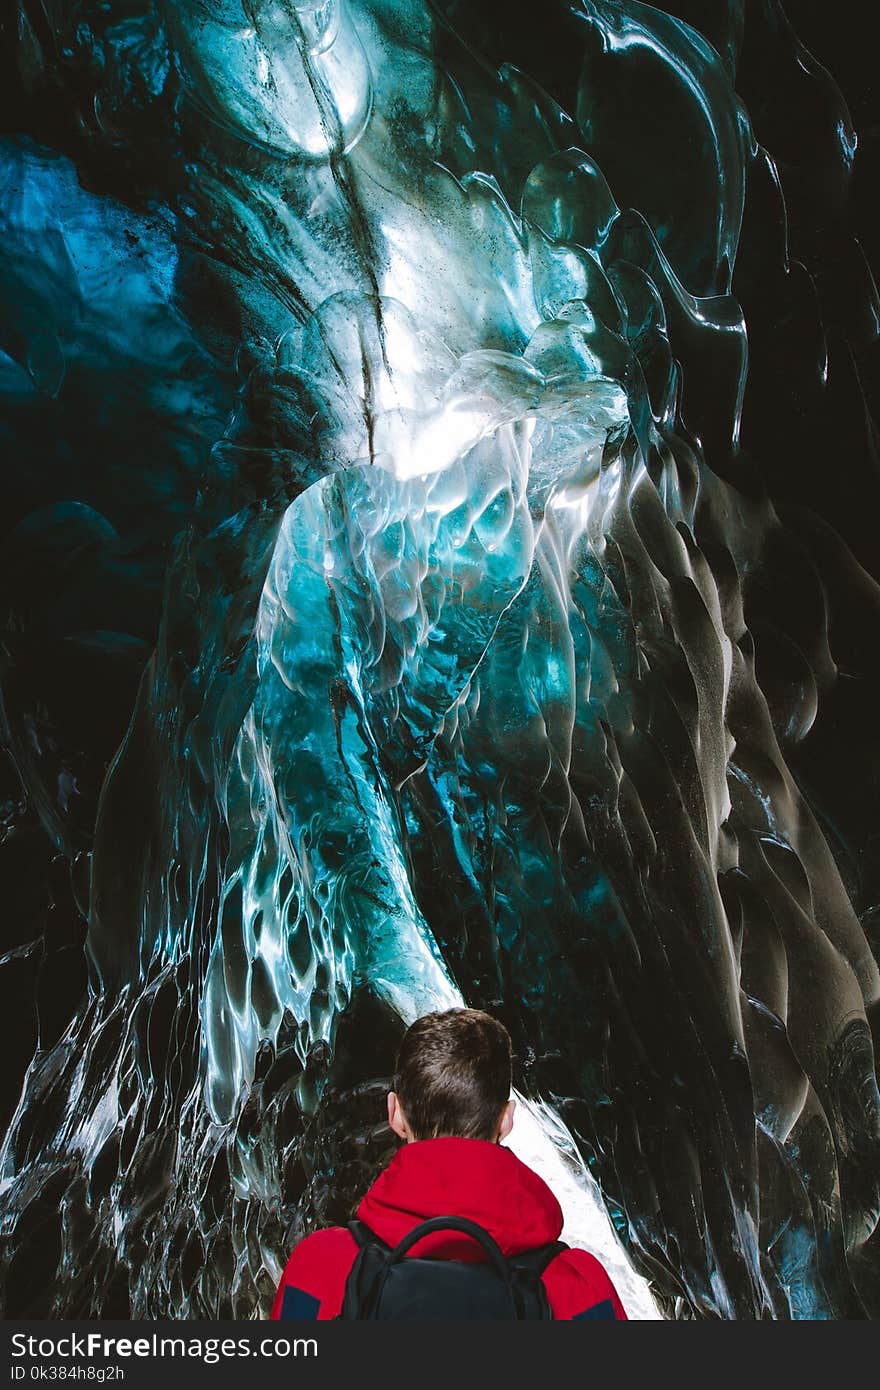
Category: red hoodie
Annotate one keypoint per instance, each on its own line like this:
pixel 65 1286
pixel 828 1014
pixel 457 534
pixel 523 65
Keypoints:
pixel 443 1177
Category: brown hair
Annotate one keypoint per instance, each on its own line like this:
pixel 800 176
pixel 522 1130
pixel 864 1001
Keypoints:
pixel 453 1074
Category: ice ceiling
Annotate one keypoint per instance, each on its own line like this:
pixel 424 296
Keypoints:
pixel 440 507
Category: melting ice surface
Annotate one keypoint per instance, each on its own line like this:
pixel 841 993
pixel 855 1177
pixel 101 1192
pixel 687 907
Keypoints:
pixel 468 675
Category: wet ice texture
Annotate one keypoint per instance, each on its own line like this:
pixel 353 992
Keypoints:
pixel 376 383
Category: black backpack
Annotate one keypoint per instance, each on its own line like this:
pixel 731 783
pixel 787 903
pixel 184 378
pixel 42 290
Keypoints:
pixel 383 1284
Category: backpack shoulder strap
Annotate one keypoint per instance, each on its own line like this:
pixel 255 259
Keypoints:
pixel 538 1259
pixel 364 1236
pixel 366 1275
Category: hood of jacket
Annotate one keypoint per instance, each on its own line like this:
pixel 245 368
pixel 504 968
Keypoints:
pixel 461 1177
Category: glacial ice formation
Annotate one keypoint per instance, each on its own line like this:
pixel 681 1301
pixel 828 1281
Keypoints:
pixel 440 564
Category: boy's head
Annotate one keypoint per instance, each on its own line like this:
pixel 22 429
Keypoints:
pixel 453 1078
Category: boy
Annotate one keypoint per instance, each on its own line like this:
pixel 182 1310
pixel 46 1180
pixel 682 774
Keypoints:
pixel 451 1106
